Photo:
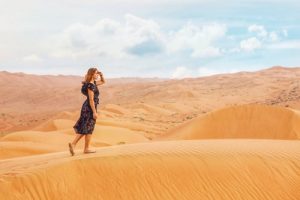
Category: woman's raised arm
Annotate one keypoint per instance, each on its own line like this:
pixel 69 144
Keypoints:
pixel 102 80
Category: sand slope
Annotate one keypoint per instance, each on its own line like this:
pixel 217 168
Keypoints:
pixel 191 169
pixel 245 121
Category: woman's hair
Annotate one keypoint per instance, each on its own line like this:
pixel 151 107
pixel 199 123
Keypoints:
pixel 89 75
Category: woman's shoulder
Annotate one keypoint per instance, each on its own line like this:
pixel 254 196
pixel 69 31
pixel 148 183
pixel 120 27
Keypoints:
pixel 91 86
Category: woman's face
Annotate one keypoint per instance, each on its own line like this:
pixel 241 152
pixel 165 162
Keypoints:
pixel 95 76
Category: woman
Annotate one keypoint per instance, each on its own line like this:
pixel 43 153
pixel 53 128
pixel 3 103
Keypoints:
pixel 87 120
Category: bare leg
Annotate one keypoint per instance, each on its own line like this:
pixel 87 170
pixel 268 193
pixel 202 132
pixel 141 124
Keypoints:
pixel 87 142
pixel 73 144
pixel 77 138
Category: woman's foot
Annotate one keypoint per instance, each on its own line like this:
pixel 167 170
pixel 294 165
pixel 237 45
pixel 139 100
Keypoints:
pixel 89 151
pixel 71 149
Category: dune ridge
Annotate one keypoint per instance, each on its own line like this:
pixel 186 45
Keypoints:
pixel 190 169
pixel 242 121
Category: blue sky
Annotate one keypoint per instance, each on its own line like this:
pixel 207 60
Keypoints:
pixel 127 38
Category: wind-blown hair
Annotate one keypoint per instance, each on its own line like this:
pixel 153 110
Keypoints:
pixel 89 75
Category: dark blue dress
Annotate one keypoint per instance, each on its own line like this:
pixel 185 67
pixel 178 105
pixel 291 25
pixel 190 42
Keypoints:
pixel 86 123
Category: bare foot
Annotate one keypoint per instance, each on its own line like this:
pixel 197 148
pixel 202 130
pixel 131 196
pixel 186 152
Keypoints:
pixel 89 151
pixel 71 149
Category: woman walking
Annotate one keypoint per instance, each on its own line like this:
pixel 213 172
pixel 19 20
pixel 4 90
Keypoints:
pixel 87 120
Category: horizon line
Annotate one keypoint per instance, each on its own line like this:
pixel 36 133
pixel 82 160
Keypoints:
pixel 155 77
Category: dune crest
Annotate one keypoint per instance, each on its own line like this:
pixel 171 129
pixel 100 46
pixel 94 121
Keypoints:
pixel 243 121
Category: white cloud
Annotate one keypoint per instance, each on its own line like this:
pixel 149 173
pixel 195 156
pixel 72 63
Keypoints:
pixel 263 34
pixel 268 40
pixel 234 50
pixel 33 58
pixel 136 37
pixel 258 29
pixel 110 38
pixel 250 44
pixel 207 52
pixel 273 36
pixel 292 44
pixel 197 39
pixel 203 71
pixel 185 72
pixel 181 72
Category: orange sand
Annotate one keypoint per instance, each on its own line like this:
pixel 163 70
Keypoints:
pixel 227 136
pixel 199 169
pixel 247 121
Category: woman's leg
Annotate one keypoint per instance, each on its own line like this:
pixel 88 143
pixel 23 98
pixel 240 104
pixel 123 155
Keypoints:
pixel 77 138
pixel 73 144
pixel 87 142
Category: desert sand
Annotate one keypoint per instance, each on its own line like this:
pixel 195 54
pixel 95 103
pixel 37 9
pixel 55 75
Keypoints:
pixel 243 121
pixel 162 104
pixel 188 169
pixel 227 136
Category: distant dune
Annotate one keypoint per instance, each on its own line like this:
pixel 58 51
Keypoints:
pixel 163 103
pixel 246 121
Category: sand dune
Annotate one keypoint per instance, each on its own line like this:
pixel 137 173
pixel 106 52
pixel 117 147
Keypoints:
pixel 54 135
pixel 206 169
pixel 115 135
pixel 59 97
pixel 116 131
pixel 25 143
pixel 126 124
pixel 152 109
pixel 246 121
pixel 68 115
pixel 55 124
pixel 237 136
pixel 115 109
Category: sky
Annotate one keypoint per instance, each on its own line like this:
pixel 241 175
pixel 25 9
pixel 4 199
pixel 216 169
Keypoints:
pixel 148 38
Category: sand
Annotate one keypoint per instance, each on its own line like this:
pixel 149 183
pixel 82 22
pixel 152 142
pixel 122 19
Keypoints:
pixel 162 103
pixel 189 169
pixel 246 121
pixel 227 136
pixel 23 143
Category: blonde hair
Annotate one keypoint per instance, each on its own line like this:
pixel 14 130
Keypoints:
pixel 89 75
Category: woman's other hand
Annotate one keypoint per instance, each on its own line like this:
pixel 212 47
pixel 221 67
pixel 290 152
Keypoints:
pixel 95 115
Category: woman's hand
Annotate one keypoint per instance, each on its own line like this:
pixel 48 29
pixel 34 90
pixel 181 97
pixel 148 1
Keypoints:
pixel 95 115
pixel 101 81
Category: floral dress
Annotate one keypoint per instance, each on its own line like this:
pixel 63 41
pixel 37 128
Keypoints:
pixel 86 123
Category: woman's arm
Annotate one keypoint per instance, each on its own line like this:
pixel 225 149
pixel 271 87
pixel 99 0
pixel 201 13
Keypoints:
pixel 102 81
pixel 91 100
